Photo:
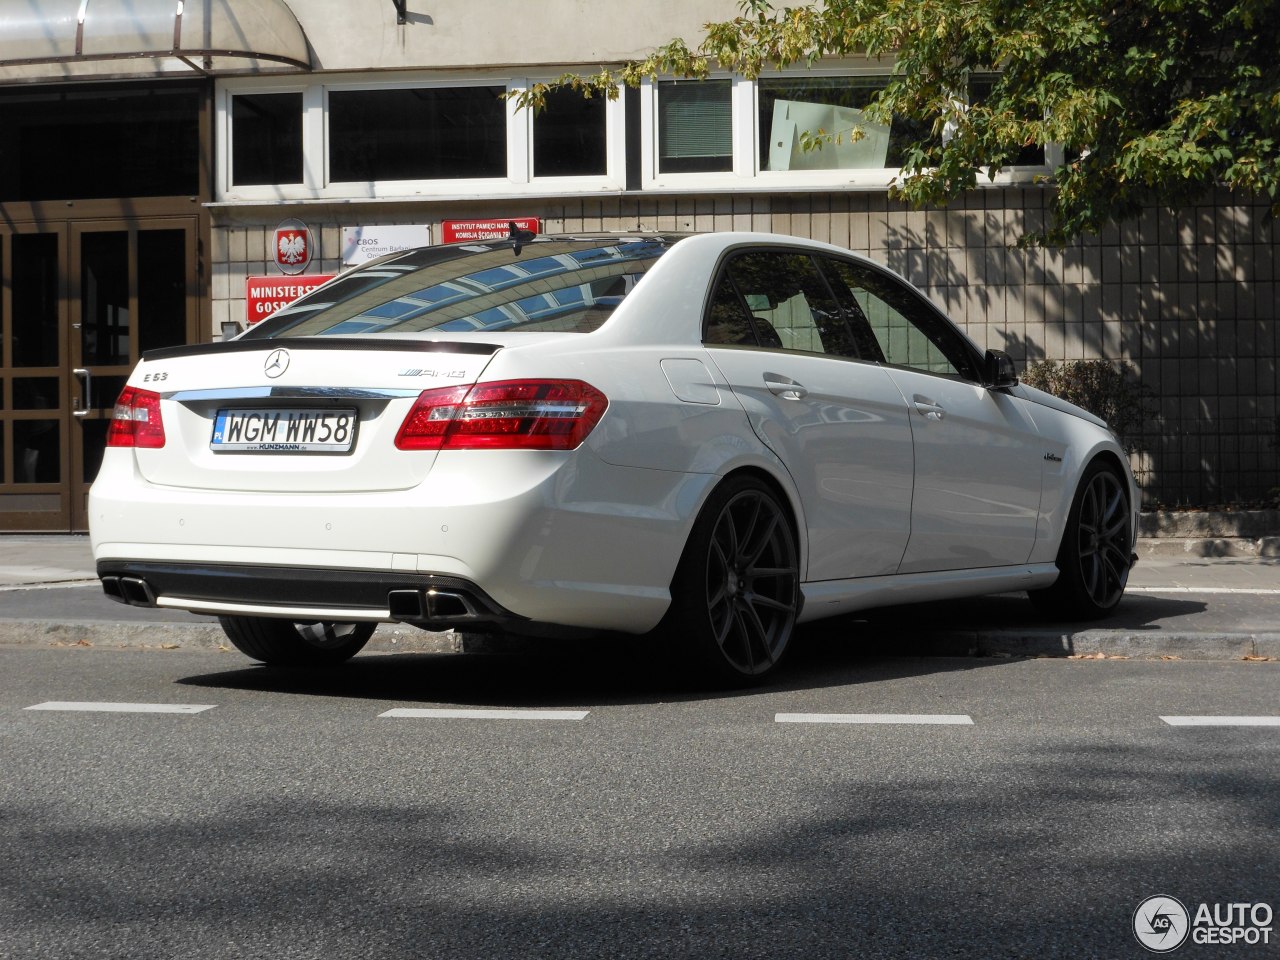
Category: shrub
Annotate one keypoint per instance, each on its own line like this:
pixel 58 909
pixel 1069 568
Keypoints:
pixel 1108 390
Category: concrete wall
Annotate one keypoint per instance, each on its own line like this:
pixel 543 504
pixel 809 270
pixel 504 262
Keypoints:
pixel 1188 297
pixel 453 34
pixel 358 35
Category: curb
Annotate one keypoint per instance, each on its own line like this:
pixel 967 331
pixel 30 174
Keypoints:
pixel 1082 644
pixel 1262 547
pixel 1209 524
pixel 1100 644
pixel 125 635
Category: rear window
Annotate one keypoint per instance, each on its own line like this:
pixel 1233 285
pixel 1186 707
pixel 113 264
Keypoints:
pixel 553 285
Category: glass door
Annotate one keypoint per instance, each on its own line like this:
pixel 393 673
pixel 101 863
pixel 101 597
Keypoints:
pixel 133 290
pixel 35 420
pixel 79 303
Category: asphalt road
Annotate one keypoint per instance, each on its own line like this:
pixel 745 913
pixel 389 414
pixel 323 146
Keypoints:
pixel 623 814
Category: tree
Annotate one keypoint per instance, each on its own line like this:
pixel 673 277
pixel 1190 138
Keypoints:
pixel 1157 101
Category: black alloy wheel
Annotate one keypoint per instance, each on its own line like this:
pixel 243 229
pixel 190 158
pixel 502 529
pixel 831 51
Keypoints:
pixel 288 643
pixel 1096 552
pixel 738 583
pixel 1105 541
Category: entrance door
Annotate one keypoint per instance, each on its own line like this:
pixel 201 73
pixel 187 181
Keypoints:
pixel 36 416
pixel 80 302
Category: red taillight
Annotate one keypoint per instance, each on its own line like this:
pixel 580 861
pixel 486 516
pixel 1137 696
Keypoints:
pixel 135 421
pixel 507 415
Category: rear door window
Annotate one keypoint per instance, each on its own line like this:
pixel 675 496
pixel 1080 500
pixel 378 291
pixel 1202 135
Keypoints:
pixel 778 300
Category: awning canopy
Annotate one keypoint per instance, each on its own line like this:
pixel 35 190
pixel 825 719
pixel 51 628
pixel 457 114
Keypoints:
pixel 97 39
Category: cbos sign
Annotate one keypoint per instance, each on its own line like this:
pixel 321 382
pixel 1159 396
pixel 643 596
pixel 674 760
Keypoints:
pixel 455 231
pixel 265 295
pixel 292 247
pixel 362 244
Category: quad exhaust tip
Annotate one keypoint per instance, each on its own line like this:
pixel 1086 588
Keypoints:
pixel 431 605
pixel 134 591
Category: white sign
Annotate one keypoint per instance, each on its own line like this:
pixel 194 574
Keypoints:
pixel 362 244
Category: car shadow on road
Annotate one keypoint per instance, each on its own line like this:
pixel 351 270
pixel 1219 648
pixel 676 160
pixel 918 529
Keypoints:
pixel 855 649
pixel 1145 612
pixel 571 675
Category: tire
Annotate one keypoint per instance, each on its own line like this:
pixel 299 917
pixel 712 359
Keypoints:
pixel 286 643
pixel 1096 551
pixel 736 591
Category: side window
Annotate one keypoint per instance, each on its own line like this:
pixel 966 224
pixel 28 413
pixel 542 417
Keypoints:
pixel 728 321
pixel 778 300
pixel 904 329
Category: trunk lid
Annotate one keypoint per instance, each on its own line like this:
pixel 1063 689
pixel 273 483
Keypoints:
pixel 304 415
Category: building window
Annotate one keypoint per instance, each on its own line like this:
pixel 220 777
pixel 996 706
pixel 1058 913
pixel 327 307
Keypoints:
pixel 791 107
pixel 569 136
pixel 980 88
pixel 339 137
pixel 695 126
pixel 266 138
pixel 82 143
pixel 417 133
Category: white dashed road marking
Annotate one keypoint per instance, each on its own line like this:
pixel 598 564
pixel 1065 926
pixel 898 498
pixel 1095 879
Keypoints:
pixel 953 719
pixel 93 707
pixel 456 714
pixel 1246 591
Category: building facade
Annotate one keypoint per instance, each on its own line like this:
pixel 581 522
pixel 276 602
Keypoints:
pixel 155 153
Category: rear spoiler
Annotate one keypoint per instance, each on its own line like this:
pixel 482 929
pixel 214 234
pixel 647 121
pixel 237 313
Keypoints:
pixel 323 343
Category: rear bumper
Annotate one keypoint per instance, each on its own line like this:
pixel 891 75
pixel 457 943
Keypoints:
pixel 559 539
pixel 431 602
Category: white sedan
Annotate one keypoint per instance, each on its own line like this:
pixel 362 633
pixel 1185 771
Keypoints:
pixel 710 438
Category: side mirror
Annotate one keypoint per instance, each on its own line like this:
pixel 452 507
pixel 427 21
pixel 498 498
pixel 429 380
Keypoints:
pixel 998 370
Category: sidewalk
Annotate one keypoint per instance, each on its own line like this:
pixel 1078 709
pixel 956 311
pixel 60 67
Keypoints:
pixel 1210 598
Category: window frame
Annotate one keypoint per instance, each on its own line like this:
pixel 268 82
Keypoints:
pixel 519 181
pixel 1054 153
pixel 379 188
pixel 520 145
pixel 318 184
pixel 834 177
pixel 741 95
pixel 225 150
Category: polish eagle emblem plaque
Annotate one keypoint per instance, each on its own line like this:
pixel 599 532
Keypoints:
pixel 292 247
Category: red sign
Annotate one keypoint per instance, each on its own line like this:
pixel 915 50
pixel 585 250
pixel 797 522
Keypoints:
pixel 265 295
pixel 453 231
pixel 292 246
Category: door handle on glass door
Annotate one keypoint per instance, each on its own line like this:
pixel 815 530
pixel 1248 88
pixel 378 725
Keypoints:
pixel 86 379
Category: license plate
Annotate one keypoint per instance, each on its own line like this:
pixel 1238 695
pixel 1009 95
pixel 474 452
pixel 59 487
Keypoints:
pixel 278 430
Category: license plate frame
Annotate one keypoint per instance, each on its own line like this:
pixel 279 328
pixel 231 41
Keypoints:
pixel 285 430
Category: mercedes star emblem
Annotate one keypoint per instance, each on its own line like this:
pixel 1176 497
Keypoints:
pixel 277 363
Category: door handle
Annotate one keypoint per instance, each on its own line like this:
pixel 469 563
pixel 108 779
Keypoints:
pixel 784 387
pixel 86 380
pixel 928 409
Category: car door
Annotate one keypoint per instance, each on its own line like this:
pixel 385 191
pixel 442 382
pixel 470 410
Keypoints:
pixel 978 456
pixel 835 420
